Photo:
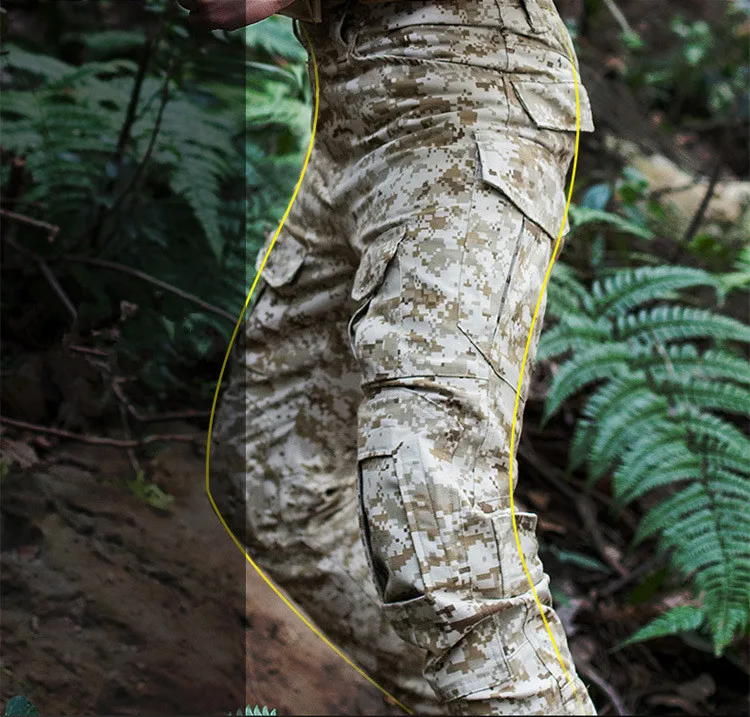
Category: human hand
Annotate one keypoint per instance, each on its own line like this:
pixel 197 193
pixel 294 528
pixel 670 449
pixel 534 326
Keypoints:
pixel 230 14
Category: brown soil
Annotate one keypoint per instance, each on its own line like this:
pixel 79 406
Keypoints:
pixel 112 607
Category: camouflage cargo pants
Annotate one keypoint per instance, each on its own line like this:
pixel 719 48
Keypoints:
pixel 362 445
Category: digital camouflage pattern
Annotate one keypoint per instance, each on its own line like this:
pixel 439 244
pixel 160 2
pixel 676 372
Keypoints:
pixel 362 445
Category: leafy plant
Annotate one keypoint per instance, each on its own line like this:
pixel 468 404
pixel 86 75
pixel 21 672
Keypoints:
pixel 665 378
pixel 144 157
pixel 703 74
pixel 149 492
pixel 20 707
pixel 253 711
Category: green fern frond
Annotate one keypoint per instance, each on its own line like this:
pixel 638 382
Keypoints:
pixel 666 513
pixel 644 415
pixel 586 366
pixel 43 66
pixel 722 364
pixel 630 287
pixel 573 332
pixel 654 461
pixel 684 618
pixel 567 295
pixel 711 395
pixel 677 323
pixel 651 423
pixel 581 443
pixel 612 395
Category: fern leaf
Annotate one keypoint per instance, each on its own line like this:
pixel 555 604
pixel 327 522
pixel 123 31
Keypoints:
pixel 711 395
pixel 628 288
pixel 683 618
pixel 677 323
pixel 580 445
pixel 567 295
pixel 602 361
pixel 644 415
pixel 573 332
pixel 645 465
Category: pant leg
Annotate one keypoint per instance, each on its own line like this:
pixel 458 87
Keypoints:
pixel 456 180
pixel 284 454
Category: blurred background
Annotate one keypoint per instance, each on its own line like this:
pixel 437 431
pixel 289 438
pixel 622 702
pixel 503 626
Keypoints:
pixel 143 164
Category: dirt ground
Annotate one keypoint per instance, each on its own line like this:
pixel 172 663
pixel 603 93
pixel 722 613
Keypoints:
pixel 110 606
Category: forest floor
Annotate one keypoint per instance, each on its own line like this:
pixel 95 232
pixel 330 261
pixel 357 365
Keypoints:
pixel 110 606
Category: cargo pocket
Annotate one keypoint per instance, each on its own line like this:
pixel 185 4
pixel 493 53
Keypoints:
pixel 401 592
pixel 284 261
pixel 528 17
pixel 274 288
pixel 552 105
pixel 368 280
pixel 513 576
pixel 410 526
pixel 516 213
pixel 527 174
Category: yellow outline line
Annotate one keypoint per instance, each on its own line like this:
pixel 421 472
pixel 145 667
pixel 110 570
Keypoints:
pixel 523 368
pixel 515 408
pixel 216 397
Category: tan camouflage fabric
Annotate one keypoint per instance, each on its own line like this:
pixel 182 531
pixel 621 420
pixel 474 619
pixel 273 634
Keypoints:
pixel 361 448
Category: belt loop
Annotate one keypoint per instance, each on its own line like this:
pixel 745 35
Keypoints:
pixel 338 26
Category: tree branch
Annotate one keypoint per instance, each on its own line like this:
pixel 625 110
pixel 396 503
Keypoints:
pixel 115 266
pixel 98 440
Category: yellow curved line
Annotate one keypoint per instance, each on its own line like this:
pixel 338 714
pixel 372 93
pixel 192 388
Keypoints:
pixel 515 408
pixel 523 368
pixel 216 397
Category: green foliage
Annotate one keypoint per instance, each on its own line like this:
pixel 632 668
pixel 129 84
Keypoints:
pixel 665 379
pixel 149 492
pixel 253 711
pixel 684 618
pixel 740 277
pixel 20 706
pixel 704 73
pixel 136 144
pixel 627 215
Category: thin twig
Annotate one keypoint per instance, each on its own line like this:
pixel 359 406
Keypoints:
pixel 701 211
pixel 663 353
pixel 88 350
pixel 98 440
pixel 107 264
pixel 563 483
pixel 635 574
pixel 174 415
pixel 618 15
pixel 588 671
pixel 583 504
pixel 150 149
pixel 51 228
pixel 48 275
pixel 55 284
pixel 129 121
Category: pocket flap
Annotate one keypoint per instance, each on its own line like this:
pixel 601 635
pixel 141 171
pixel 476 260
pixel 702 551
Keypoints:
pixel 527 174
pixel 552 105
pixel 374 262
pixel 284 261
